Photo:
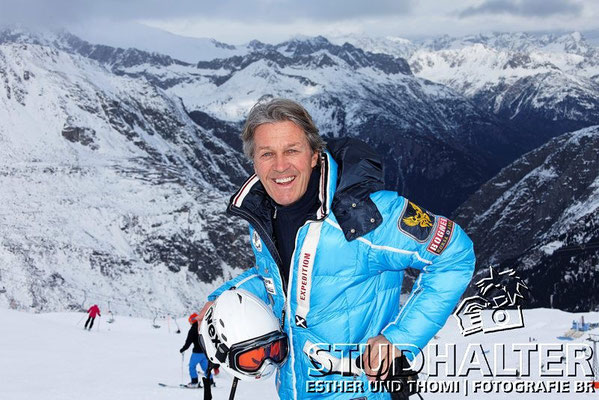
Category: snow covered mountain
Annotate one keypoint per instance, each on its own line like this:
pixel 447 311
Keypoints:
pixel 392 45
pixel 110 190
pixel 543 83
pixel 117 163
pixel 540 216
pixel 342 86
pixel 548 81
pixel 153 40
pixel 349 92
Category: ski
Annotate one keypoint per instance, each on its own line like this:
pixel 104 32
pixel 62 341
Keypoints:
pixel 179 386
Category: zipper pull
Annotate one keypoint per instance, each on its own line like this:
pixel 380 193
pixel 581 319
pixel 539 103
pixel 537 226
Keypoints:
pixel 275 214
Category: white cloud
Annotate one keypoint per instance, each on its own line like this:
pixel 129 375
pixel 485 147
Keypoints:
pixel 525 8
pixel 238 21
pixel 428 18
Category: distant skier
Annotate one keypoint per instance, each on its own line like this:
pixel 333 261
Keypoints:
pixel 198 355
pixel 94 311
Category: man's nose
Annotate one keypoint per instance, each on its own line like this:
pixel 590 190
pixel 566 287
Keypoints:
pixel 281 163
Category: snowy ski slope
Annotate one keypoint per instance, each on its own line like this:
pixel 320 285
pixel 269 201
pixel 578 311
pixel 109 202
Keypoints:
pixel 50 357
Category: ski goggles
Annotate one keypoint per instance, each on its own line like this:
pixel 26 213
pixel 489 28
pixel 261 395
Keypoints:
pixel 250 356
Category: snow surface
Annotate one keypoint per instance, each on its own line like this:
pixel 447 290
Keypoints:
pixel 49 356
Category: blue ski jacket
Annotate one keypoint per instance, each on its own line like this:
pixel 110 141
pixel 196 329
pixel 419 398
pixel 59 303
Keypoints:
pixel 347 269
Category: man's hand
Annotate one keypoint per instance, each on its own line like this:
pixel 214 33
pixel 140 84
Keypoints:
pixel 377 358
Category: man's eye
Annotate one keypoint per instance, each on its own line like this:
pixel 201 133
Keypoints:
pixel 266 155
pixel 291 151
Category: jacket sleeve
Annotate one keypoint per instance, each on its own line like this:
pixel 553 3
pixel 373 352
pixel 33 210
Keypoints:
pixel 445 257
pixel 189 340
pixel 249 280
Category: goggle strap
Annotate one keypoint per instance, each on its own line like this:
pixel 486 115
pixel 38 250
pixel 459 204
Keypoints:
pixel 221 352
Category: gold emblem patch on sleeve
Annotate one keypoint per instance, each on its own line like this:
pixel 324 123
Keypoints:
pixel 421 219
pixel 416 222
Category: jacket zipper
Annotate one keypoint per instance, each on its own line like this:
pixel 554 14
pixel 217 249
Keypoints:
pixel 287 309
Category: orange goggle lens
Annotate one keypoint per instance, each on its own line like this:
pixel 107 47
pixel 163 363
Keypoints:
pixel 252 360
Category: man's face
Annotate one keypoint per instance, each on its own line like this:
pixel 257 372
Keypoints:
pixel 283 160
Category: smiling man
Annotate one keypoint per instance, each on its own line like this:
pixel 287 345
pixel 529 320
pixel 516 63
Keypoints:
pixel 331 248
pixel 283 160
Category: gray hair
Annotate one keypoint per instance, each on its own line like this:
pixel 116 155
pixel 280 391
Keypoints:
pixel 279 110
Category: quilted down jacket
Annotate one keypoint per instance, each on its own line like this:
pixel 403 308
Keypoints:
pixel 348 265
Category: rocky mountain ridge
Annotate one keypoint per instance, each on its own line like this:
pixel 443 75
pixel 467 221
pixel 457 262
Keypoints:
pixel 539 216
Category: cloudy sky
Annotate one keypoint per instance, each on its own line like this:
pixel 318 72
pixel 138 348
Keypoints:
pixel 238 21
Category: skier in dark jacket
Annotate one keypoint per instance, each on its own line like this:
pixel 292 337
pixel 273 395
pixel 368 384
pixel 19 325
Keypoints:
pixel 198 355
pixel 94 311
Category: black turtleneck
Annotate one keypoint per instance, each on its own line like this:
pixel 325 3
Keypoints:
pixel 287 220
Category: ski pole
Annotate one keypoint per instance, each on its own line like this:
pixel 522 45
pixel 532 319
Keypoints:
pixel 182 366
pixel 233 388
pixel 207 383
pixel 81 319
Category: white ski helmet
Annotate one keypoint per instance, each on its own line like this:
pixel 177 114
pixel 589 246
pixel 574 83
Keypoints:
pixel 240 333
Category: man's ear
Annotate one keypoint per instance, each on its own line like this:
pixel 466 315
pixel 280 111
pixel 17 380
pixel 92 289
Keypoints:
pixel 315 157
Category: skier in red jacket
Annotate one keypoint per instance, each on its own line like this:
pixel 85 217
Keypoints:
pixel 93 312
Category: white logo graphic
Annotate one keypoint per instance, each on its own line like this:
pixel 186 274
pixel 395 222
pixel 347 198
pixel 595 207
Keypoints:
pixel 256 241
pixel 270 286
pixel 500 293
